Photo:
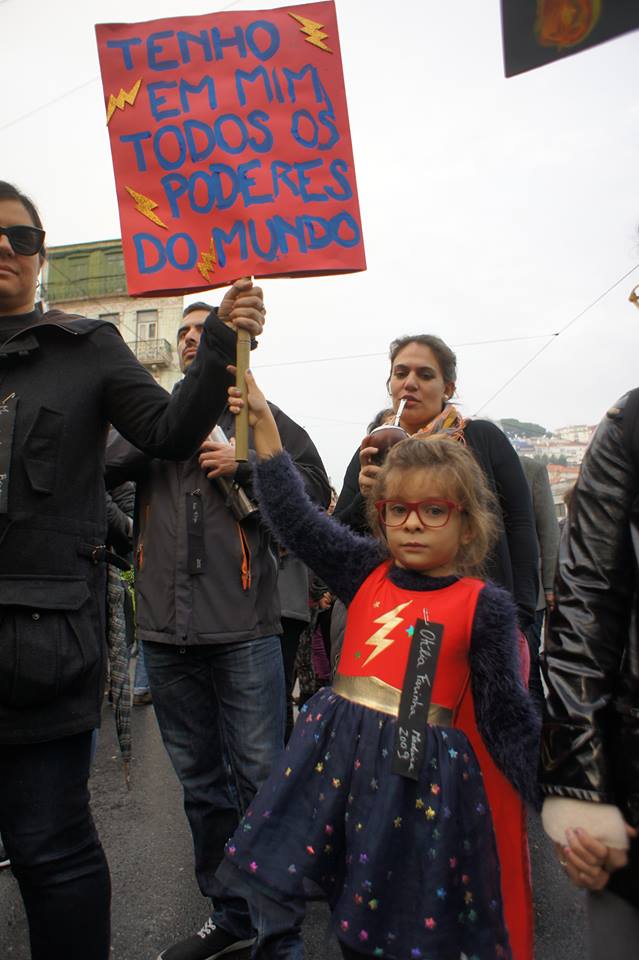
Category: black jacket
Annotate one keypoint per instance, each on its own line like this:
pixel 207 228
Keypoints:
pixel 513 562
pixel 120 505
pixel 71 377
pixel 217 602
pixel 590 745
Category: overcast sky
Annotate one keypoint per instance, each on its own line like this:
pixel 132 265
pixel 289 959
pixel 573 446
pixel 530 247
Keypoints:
pixel 491 208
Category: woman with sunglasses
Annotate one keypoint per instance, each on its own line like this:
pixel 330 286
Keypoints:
pixel 63 379
pixel 422 380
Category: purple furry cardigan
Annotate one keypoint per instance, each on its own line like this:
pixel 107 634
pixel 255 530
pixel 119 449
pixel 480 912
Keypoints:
pixel 506 716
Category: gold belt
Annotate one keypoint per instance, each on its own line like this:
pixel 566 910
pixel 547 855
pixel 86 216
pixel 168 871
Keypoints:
pixel 374 693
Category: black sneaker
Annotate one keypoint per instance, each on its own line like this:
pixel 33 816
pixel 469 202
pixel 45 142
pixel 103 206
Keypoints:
pixel 4 859
pixel 207 944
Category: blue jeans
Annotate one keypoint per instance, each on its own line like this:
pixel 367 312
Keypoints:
pixel 141 679
pixel 277 923
pixel 221 713
pixel 55 852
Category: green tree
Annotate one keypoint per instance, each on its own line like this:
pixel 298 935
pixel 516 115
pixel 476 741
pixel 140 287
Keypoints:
pixel 519 428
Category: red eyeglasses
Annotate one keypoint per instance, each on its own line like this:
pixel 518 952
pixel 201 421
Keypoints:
pixel 431 512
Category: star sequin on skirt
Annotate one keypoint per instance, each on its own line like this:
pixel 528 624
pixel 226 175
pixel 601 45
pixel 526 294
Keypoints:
pixel 409 868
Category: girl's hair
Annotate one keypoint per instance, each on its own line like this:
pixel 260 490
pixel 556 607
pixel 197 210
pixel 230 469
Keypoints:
pixel 463 480
pixel 445 357
pixel 9 192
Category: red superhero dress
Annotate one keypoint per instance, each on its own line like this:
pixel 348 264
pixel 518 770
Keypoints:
pixel 376 644
pixel 411 868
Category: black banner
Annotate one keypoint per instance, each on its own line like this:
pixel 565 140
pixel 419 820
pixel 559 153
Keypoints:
pixel 195 532
pixel 537 32
pixel 416 698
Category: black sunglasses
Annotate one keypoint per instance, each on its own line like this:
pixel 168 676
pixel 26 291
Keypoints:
pixel 26 241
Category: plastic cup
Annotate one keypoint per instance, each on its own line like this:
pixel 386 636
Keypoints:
pixel 385 437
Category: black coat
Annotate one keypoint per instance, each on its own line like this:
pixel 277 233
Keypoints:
pixel 72 377
pixel 590 745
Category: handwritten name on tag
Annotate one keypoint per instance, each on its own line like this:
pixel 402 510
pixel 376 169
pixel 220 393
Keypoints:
pixel 416 699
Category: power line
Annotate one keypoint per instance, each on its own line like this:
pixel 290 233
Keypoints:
pixel 516 374
pixel 554 336
pixel 49 103
pixel 311 416
pixel 361 356
pixel 73 90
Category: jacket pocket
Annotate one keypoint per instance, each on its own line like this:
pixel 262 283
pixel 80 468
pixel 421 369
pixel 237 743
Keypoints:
pixel 49 638
pixel 40 450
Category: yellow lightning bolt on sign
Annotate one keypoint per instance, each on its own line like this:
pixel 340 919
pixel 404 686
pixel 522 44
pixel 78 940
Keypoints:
pixel 124 97
pixel 145 206
pixel 380 639
pixel 207 264
pixel 314 31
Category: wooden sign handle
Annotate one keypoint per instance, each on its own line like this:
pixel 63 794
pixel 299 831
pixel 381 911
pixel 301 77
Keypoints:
pixel 242 364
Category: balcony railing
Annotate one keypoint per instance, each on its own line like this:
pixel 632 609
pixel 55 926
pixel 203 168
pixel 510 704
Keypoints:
pixel 152 353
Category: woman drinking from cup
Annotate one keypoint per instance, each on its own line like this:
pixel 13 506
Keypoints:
pixel 421 386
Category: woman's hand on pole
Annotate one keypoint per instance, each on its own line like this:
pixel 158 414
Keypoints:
pixel 243 307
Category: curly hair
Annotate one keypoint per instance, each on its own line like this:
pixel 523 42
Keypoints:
pixel 459 472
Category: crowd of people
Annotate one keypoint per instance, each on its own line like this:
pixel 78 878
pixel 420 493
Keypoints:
pixel 404 621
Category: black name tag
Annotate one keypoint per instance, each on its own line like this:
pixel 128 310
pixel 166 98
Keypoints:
pixel 8 410
pixel 195 532
pixel 416 698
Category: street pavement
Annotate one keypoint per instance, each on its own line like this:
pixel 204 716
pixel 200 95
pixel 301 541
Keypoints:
pixel 155 897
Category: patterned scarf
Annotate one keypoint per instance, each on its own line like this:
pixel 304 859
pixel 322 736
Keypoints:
pixel 449 423
pixel 119 689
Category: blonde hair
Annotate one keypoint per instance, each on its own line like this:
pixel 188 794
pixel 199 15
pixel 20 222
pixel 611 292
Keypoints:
pixel 465 483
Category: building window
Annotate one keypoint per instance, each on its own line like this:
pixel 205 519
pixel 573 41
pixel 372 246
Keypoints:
pixel 78 266
pixel 113 318
pixel 147 324
pixel 112 266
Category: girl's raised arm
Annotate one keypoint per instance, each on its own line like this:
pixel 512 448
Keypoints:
pixel 339 557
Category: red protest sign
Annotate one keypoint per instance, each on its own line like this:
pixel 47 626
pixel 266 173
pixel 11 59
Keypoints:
pixel 231 147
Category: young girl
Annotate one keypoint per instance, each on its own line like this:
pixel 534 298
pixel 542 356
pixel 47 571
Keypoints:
pixel 414 832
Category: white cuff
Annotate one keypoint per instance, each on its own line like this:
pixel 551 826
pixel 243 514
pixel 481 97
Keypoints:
pixel 603 821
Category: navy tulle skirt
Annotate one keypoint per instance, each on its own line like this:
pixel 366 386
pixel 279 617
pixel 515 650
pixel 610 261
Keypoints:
pixel 409 868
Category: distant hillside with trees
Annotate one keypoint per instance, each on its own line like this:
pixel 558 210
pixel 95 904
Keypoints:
pixel 519 428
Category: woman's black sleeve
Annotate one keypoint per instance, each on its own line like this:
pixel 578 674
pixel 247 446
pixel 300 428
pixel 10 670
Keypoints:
pixel 350 508
pixel 519 525
pixel 170 427
pixel 507 718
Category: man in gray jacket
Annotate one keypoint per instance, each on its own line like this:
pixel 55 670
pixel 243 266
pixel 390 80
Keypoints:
pixel 547 527
pixel 209 619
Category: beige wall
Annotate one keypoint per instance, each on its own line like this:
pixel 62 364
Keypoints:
pixel 169 318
